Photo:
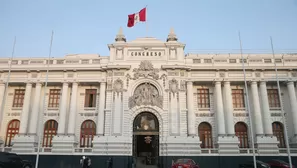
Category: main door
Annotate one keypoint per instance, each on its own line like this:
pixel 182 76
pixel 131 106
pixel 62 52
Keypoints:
pixel 146 140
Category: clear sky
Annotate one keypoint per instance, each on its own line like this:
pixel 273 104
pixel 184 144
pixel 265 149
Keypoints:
pixel 87 26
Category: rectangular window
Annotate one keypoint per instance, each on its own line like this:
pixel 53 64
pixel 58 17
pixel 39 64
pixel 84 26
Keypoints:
pixel 54 98
pixel 238 98
pixel 207 60
pixel 90 97
pixel 203 98
pixel 232 60
pixel 273 98
pixel 195 61
pixel 244 61
pixel 18 98
pixel 278 60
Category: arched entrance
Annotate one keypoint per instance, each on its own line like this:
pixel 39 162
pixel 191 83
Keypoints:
pixel 146 140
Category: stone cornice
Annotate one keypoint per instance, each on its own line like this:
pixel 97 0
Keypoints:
pixel 184 67
pixel 111 67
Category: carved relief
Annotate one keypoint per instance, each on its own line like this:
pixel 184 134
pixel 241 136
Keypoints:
pixel 173 86
pixel 164 77
pixel 146 94
pixel 182 73
pixel 118 86
pixel 146 69
pixel 128 79
pixel 258 74
pixel 109 73
pixel 118 73
pixel 222 74
pixel 183 85
pixel 109 84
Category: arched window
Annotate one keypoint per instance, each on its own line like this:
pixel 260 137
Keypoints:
pixel 278 131
pixel 87 132
pixel 50 130
pixel 242 134
pixel 205 135
pixel 12 129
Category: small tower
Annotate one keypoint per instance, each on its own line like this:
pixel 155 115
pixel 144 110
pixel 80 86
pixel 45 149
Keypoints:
pixel 171 36
pixel 120 36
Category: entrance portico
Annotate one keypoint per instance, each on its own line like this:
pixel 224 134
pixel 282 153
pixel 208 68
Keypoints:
pixel 146 140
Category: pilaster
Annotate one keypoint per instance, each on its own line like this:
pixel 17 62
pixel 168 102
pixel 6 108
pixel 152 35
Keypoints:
pixel 266 143
pixel 2 95
pixel 35 110
pixel 257 116
pixel 24 142
pixel 100 118
pixel 228 143
pixel 26 108
pixel 191 113
pixel 265 109
pixel 63 143
pixel 293 104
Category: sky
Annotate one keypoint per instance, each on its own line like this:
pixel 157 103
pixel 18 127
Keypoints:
pixel 87 26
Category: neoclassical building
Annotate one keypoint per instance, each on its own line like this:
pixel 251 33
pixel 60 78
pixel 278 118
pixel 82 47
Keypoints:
pixel 147 100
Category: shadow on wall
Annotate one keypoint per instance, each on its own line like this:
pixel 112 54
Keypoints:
pixel 70 161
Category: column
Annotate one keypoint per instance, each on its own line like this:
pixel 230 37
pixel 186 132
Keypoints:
pixel 219 109
pixel 100 118
pixel 63 103
pixel 34 118
pixel 191 113
pixel 293 103
pixel 265 109
pixel 256 109
pixel 2 91
pixel 72 113
pixel 228 108
pixel 26 108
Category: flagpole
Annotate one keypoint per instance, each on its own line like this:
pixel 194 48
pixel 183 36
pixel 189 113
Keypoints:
pixel 281 104
pixel 248 102
pixel 6 84
pixel 146 25
pixel 40 116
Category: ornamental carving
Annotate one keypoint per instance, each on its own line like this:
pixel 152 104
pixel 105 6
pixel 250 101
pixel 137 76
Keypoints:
pixel 173 86
pixel 118 86
pixel 146 69
pixel 146 94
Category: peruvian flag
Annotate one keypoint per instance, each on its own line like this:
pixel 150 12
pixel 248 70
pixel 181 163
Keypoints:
pixel 137 17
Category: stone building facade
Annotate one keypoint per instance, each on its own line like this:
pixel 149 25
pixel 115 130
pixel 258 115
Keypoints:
pixel 148 92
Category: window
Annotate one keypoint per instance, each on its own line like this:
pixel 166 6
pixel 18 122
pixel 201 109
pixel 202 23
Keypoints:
pixel 207 60
pixel 278 60
pixel 203 98
pixel 273 98
pixel 267 61
pixel 12 129
pixel 278 131
pixel 18 98
pixel 50 130
pixel 241 133
pixel 244 60
pixel 90 98
pixel 54 98
pixel 232 60
pixel 238 98
pixel 205 135
pixel 87 132
pixel 195 61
